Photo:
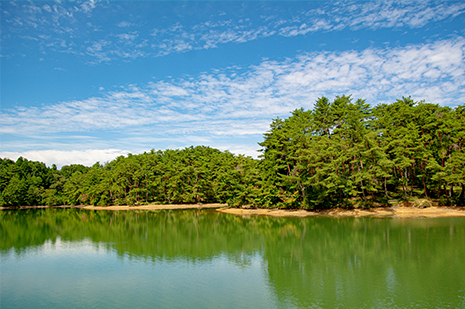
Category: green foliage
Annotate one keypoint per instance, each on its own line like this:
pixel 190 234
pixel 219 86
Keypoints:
pixel 24 182
pixel 346 153
pixel 191 175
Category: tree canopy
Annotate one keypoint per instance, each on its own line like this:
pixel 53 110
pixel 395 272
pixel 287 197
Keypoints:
pixel 191 175
pixel 345 150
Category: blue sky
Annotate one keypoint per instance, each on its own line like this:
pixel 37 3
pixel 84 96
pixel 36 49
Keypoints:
pixel 86 81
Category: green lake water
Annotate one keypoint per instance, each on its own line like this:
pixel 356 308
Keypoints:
pixel 70 258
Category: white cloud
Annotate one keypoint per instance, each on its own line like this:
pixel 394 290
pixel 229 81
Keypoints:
pixel 124 24
pixel 223 102
pixel 88 6
pixel 62 157
pixel 250 151
pixel 61 20
pixel 212 34
pixel 127 36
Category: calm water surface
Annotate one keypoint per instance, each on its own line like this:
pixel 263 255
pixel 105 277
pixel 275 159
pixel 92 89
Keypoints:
pixel 69 258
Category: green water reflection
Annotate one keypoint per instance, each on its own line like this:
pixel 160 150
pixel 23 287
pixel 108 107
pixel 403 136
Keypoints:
pixel 281 262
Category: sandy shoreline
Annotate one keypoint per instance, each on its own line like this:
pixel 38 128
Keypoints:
pixel 125 207
pixel 382 212
pixel 156 207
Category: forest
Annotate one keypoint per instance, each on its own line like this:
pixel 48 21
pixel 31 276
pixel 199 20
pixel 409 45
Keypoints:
pixel 343 153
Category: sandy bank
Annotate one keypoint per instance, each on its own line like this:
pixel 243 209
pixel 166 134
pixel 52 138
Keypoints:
pixel 156 207
pixel 141 207
pixel 387 212
pixel 381 212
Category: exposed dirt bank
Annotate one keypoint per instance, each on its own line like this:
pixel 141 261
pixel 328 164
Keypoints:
pixel 141 207
pixel 382 212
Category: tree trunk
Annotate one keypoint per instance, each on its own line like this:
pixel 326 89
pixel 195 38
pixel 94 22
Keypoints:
pixel 363 191
pixel 385 188
pixel 423 180
pixel 403 185
pixel 361 181
pixel 411 187
pixel 302 189
pixel 444 188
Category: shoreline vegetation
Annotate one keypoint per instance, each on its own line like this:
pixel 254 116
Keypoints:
pixel 342 154
pixel 396 211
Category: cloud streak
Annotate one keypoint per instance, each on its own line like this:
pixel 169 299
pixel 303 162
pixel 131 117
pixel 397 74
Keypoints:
pixel 74 29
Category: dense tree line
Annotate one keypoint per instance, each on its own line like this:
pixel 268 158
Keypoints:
pixel 340 153
pixel 344 152
pixel 191 175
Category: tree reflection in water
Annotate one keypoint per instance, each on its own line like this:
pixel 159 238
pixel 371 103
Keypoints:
pixel 307 262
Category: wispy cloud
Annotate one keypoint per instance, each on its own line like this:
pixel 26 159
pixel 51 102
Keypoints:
pixel 76 24
pixel 223 102
pixel 124 23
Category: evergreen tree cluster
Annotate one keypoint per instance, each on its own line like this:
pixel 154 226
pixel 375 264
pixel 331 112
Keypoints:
pixel 190 175
pixel 341 153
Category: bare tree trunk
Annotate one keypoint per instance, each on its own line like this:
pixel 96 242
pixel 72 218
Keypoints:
pixel 385 188
pixel 423 180
pixel 411 187
pixel 361 181
pixel 363 190
pixel 403 185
